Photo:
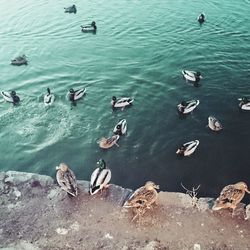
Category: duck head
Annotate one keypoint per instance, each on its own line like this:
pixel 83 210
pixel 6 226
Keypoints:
pixel 113 100
pixel 242 186
pixel 48 90
pixel 101 164
pixel 13 93
pixel 71 91
pixel 93 24
pixel 63 167
pixel 150 185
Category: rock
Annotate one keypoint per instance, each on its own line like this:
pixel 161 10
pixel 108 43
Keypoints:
pixel 2 176
pixel 247 217
pixel 17 193
pixel 16 178
pixel 152 245
pixel 21 245
pixel 62 231
pixel 75 226
pixel 205 204
pixel 197 246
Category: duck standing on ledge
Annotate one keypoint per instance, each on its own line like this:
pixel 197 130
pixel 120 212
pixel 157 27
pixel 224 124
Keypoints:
pixel 121 103
pixel 70 9
pixel 100 177
pixel 142 199
pixel 20 60
pixel 48 98
pixel 231 196
pixel 89 28
pixel 66 179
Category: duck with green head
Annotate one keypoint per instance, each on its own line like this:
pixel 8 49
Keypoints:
pixel 100 177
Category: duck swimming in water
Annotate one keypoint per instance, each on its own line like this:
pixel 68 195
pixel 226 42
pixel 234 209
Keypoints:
pixel 100 177
pixel 214 124
pixel 121 103
pixel 192 76
pixel 244 103
pixel 75 95
pixel 48 98
pixel 109 142
pixel 188 148
pixel 142 199
pixel 231 196
pixel 186 107
pixel 10 97
pixel 66 179
pixel 201 18
pixel 20 60
pixel 70 9
pixel 89 28
pixel 121 127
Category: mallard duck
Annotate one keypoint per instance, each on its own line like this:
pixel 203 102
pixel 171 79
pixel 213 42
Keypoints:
pixel 214 124
pixel 66 179
pixel 244 103
pixel 231 196
pixel 20 60
pixel 186 107
pixel 121 103
pixel 142 199
pixel 49 98
pixel 70 9
pixel 75 95
pixel 201 18
pixel 100 177
pixel 10 97
pixel 121 127
pixel 191 76
pixel 89 28
pixel 187 148
pixel 109 142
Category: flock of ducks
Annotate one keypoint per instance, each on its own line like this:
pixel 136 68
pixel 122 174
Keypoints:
pixel 146 196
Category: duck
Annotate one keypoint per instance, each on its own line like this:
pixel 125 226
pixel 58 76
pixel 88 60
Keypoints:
pixel 214 124
pixel 244 103
pixel 188 148
pixel 89 28
pixel 201 18
pixel 70 9
pixel 10 97
pixel 121 127
pixel 20 60
pixel 191 76
pixel 186 107
pixel 66 179
pixel 100 177
pixel 122 102
pixel 231 196
pixel 109 142
pixel 75 95
pixel 48 98
pixel 142 199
